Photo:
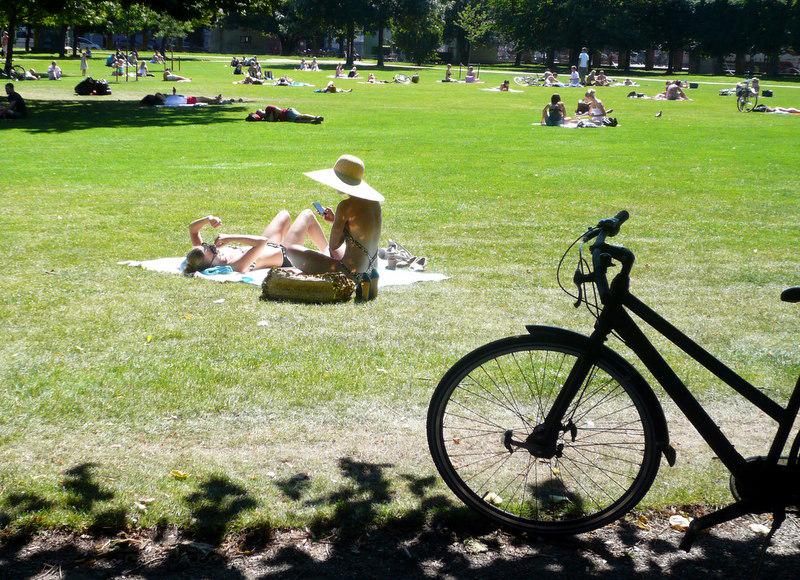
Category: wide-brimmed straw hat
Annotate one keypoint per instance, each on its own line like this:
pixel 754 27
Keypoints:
pixel 347 176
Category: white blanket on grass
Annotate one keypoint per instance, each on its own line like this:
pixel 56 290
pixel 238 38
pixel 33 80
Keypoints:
pixel 401 277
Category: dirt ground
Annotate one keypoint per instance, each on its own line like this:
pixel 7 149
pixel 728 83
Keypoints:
pixel 645 547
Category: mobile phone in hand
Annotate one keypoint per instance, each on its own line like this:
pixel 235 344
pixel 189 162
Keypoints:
pixel 318 206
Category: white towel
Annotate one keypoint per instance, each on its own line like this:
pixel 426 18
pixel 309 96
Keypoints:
pixel 401 277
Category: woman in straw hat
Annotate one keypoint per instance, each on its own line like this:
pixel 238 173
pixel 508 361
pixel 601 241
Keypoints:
pixel 356 230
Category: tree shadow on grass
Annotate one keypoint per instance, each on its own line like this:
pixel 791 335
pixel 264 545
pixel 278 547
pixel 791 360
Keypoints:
pixel 62 116
pixel 360 533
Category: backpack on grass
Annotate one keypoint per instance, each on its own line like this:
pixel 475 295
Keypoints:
pixel 90 86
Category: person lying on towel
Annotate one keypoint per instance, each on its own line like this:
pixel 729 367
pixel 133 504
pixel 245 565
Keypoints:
pixel 244 253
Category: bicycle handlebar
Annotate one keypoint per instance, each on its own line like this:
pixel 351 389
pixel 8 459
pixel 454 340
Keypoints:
pixel 602 254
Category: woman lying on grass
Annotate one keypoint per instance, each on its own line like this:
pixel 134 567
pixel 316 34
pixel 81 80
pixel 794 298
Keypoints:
pixel 169 76
pixel 265 251
pixel 273 114
pixel 332 88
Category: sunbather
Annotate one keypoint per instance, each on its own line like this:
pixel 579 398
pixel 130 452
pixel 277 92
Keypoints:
pixel 265 251
pixel 356 224
pixel 284 81
pixel 248 80
pixel 339 71
pixel 273 114
pixel 471 76
pixel 353 73
pixel 314 65
pixel 332 88
pixel 574 77
pixel 170 76
pixel 504 86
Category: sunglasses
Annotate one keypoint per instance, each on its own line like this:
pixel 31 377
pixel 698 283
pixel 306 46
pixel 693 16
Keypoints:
pixel 211 248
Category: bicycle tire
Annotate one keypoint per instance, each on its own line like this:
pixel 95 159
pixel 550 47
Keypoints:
pixel 571 517
pixel 750 103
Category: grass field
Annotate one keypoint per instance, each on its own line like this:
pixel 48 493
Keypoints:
pixel 112 377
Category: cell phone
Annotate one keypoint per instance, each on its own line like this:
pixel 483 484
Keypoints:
pixel 318 206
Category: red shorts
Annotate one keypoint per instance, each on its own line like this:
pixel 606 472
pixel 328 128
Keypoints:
pixel 191 100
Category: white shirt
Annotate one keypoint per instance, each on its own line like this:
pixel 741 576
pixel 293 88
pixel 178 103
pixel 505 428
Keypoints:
pixel 575 78
pixel 583 60
pixel 174 100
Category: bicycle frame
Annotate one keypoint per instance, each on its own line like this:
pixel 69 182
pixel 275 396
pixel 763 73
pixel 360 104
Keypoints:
pixel 614 317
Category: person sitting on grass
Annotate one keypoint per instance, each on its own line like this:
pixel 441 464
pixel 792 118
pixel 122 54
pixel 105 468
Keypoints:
pixel 332 88
pixel 142 71
pixel 339 71
pixel 672 92
pixel 284 81
pixel 574 77
pixel 504 86
pixel 448 74
pixel 353 73
pixel 16 108
pixel 265 251
pixel 54 72
pixel 314 65
pixel 30 75
pixel 591 78
pixel 235 61
pixel 554 114
pixel 629 83
pixel 602 80
pixel 170 76
pixel 356 225
pixel 471 76
pixel 254 69
pixel 597 110
pixel 303 65
pixel 273 114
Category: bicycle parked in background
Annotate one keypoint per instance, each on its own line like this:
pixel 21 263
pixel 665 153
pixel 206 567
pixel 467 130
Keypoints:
pixel 555 433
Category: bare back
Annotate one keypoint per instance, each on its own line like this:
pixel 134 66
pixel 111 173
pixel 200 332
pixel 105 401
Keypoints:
pixel 361 232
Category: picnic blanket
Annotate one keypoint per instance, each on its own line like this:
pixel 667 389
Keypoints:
pixel 402 277
pixel 293 84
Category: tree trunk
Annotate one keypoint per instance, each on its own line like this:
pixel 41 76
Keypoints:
pixel 62 42
pixel 163 44
pixel 351 33
pixel 518 58
pixel 144 39
pixel 380 42
pixel 550 58
pixel 773 66
pixel 624 61
pixel 739 64
pixel 74 41
pixel 719 65
pixel 28 38
pixel 650 59
pixel 12 32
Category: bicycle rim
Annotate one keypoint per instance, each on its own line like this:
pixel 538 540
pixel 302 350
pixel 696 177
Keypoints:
pixel 509 386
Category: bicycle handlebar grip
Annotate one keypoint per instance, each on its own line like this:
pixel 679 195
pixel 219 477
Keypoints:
pixel 622 217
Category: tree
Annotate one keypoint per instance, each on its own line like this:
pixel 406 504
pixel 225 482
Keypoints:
pixel 417 29
pixel 477 24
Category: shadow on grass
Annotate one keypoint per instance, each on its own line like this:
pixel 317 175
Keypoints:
pixel 358 535
pixel 61 116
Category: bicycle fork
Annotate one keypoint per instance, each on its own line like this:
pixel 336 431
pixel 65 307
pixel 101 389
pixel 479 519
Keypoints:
pixel 543 440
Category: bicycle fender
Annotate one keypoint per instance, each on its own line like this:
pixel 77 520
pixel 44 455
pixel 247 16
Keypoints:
pixel 627 370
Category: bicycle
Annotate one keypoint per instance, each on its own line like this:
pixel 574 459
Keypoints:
pixel 527 81
pixel 746 97
pixel 555 433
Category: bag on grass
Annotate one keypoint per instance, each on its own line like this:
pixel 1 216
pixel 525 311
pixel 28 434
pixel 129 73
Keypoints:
pixel 85 87
pixel 286 286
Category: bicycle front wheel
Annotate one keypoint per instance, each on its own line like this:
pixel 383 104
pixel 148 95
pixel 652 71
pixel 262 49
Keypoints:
pixel 607 459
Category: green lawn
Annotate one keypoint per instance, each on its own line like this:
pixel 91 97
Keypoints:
pixel 114 376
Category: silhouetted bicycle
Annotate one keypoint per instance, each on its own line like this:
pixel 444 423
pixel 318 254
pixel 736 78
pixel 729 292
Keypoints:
pixel 746 96
pixel 555 433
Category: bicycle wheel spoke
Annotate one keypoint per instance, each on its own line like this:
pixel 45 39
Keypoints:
pixel 596 477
